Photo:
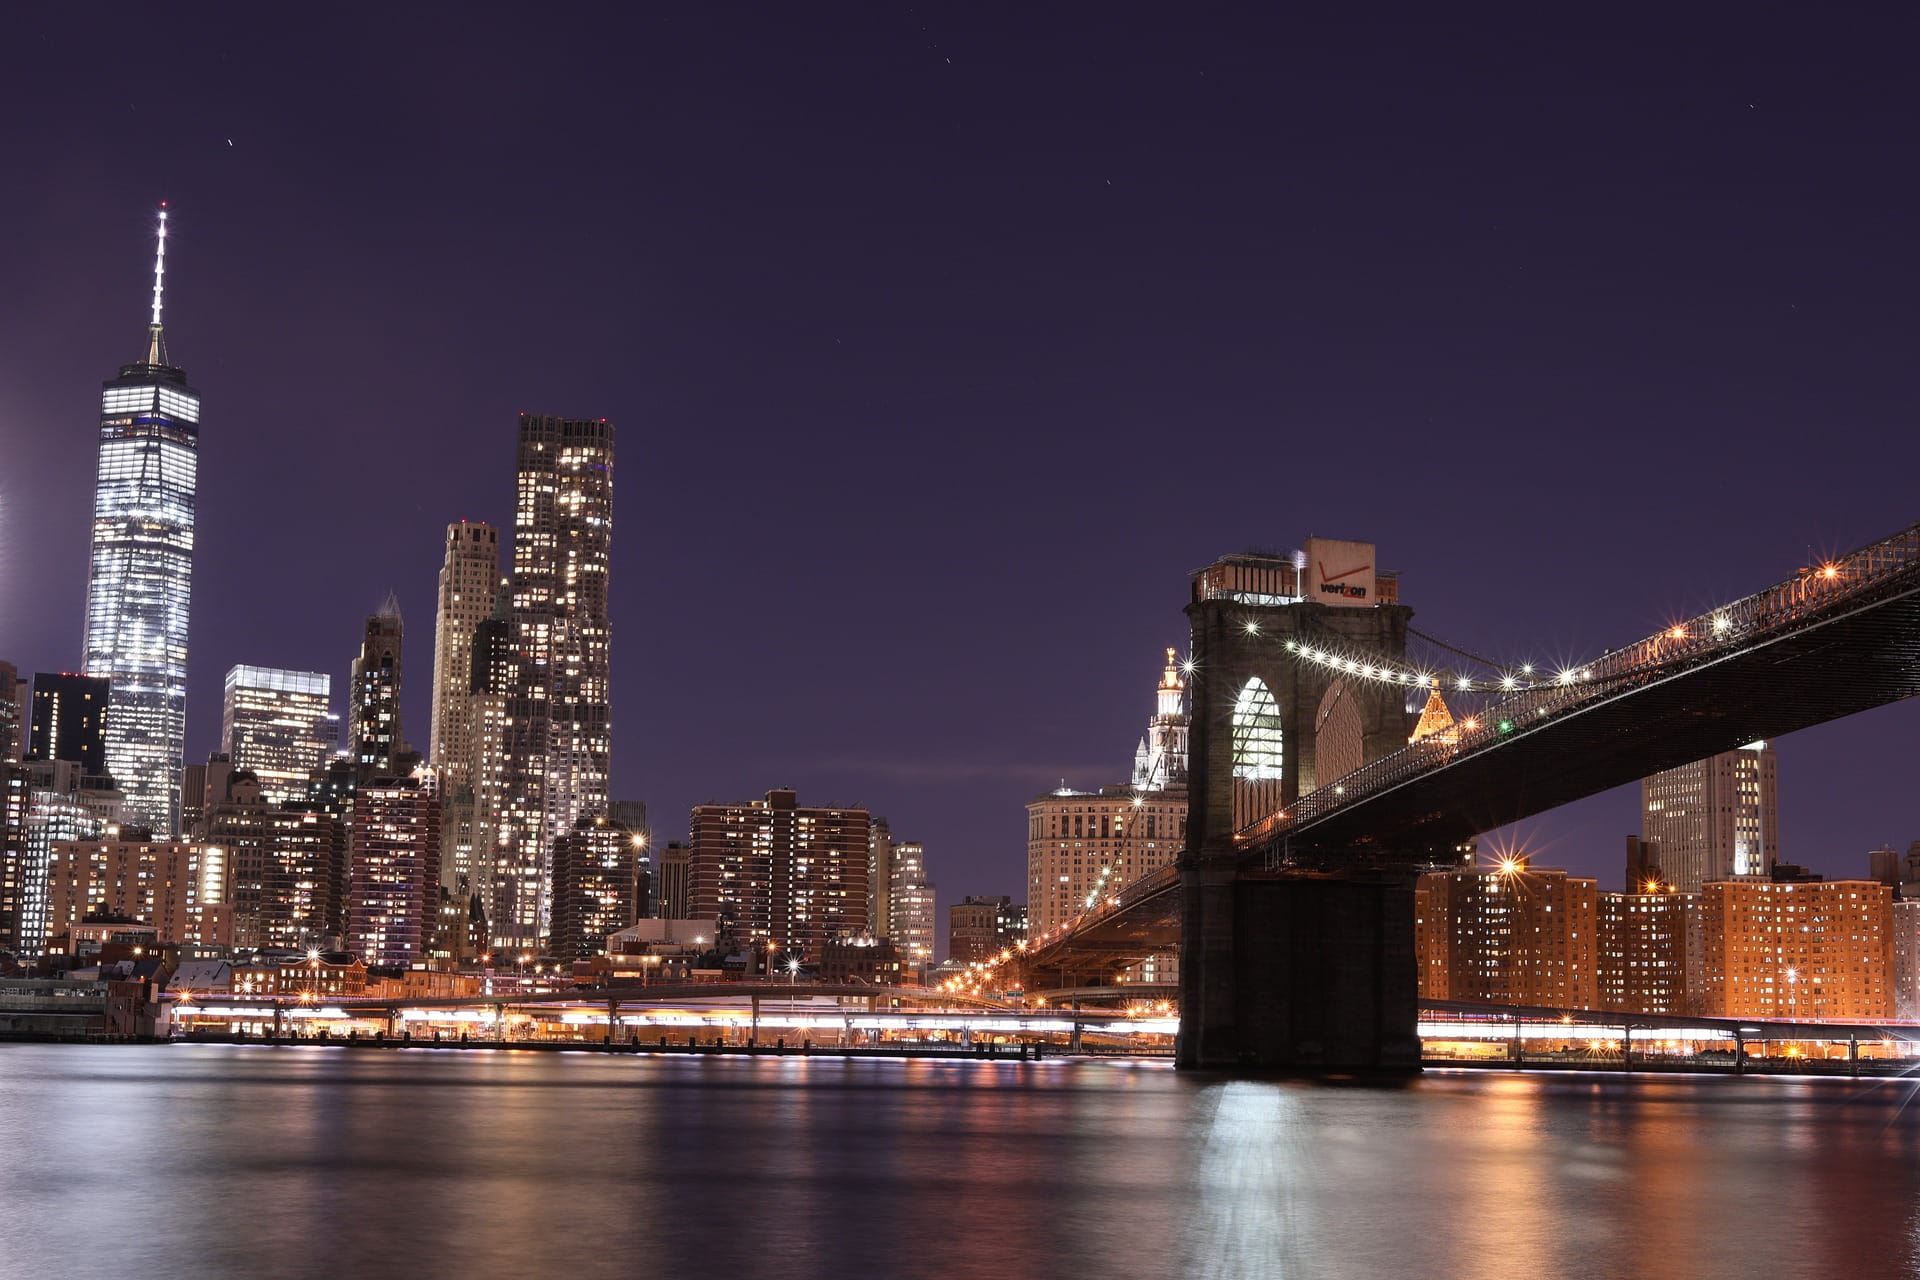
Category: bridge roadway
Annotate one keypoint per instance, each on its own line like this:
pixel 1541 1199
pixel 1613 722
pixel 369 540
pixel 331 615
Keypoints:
pixel 1831 641
pixel 1505 1016
pixel 621 997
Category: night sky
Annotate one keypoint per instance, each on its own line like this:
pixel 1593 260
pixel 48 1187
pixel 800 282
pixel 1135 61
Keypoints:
pixel 944 341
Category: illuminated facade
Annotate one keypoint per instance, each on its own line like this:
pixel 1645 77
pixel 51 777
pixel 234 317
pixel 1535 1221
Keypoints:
pixel 14 798
pixel 900 898
pixel 373 708
pixel 394 856
pixel 299 894
pixel 1160 761
pixel 1906 958
pixel 278 724
pixel 780 876
pixel 557 718
pixel 1714 819
pixel 1798 950
pixel 1650 952
pixel 235 824
pixel 169 884
pixel 1082 844
pixel 476 813
pixel 911 908
pixel 599 885
pixel 469 583
pixel 1519 936
pixel 62 803
pixel 141 569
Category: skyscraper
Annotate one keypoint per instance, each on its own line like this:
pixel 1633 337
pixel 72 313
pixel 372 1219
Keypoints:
pixel 373 712
pixel 142 567
pixel 910 908
pixel 1714 819
pixel 278 724
pixel 476 815
pixel 469 582
pixel 13 714
pixel 69 720
pixel 558 722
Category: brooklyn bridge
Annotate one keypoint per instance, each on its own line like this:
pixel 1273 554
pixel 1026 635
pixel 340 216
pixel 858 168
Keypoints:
pixel 1291 903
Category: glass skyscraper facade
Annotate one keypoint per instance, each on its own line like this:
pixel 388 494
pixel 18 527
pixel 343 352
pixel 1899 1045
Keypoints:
pixel 280 725
pixel 141 571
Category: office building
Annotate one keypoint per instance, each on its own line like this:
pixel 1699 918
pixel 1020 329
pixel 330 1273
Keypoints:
pixel 600 885
pixel 280 725
pixel 374 738
pixel 978 929
pixel 394 856
pixel 1798 950
pixel 911 911
pixel 557 721
pixel 780 876
pixel 1513 935
pixel 900 898
pixel 1714 819
pixel 141 568
pixel 469 586
pixel 69 720
pixel 1650 952
pixel 1082 844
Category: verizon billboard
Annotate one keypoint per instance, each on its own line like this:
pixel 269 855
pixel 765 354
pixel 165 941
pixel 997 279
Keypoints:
pixel 1341 572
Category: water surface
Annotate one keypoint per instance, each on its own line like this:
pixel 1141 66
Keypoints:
pixel 252 1161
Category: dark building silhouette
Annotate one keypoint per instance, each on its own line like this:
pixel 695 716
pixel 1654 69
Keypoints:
pixel 373 723
pixel 70 720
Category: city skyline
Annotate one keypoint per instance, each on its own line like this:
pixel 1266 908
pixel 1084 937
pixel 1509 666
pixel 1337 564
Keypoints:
pixel 826 698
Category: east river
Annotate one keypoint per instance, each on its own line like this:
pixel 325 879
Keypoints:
pixel 329 1162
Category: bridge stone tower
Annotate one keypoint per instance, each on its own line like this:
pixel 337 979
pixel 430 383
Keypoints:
pixel 1291 968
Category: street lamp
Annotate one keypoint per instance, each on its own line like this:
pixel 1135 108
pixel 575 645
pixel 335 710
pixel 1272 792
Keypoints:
pixel 793 971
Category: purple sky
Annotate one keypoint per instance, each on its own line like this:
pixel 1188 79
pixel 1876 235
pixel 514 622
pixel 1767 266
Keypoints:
pixel 944 341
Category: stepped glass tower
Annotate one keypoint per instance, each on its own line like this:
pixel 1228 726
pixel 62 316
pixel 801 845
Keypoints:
pixel 141 571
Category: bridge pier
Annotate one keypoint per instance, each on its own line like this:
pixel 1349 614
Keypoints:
pixel 1300 973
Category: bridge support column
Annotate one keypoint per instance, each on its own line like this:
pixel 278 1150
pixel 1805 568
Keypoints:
pixel 1298 974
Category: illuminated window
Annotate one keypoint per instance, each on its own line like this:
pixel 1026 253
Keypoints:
pixel 1257 732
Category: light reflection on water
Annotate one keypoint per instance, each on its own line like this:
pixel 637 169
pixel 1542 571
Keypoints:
pixel 221 1161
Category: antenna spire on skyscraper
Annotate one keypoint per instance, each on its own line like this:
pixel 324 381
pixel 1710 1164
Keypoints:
pixel 156 345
